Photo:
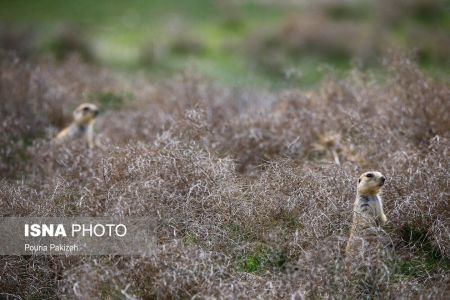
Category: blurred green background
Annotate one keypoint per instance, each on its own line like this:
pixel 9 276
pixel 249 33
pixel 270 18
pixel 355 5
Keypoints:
pixel 265 44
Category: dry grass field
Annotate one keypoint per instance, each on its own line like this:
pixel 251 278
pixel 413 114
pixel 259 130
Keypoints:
pixel 252 191
pixel 241 128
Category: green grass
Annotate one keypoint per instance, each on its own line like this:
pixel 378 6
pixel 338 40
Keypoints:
pixel 427 260
pixel 260 259
pixel 119 30
pixel 421 267
pixel 113 101
pixel 107 292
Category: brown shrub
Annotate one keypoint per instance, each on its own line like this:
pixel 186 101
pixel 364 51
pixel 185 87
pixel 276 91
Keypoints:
pixel 20 41
pixel 314 35
pixel 246 188
pixel 71 40
pixel 25 109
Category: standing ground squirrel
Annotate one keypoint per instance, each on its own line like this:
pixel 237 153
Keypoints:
pixel 368 215
pixel 82 125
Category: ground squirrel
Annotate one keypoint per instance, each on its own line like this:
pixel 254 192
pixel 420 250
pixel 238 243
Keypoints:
pixel 368 215
pixel 82 125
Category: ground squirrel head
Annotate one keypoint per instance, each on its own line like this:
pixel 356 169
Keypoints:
pixel 370 183
pixel 85 113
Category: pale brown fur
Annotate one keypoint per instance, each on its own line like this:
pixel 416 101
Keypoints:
pixel 368 215
pixel 82 126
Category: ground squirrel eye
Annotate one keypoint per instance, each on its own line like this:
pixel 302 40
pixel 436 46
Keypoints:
pixel 359 180
pixel 85 108
pixel 369 175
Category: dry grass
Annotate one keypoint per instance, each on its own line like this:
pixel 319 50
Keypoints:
pixel 249 199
